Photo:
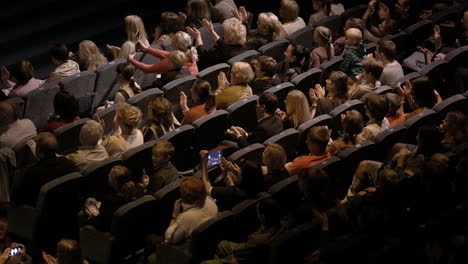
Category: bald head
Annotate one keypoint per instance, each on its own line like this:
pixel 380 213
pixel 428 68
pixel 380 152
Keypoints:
pixel 46 145
pixel 354 36
pixel 9 113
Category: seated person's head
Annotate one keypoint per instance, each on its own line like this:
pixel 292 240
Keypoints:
pixel 321 5
pixel 353 37
pixel 455 128
pixel 314 185
pixel 177 59
pixel 289 10
pixel 274 157
pixel 297 108
pixel 160 111
pixel 69 251
pixel 125 72
pixel 352 125
pixel 91 133
pixel 23 71
pixel 88 52
pixel 269 212
pixel 192 191
pixel 386 50
pixel 423 92
pixel 268 24
pixel 118 176
pixel 267 103
pixel 201 91
pixel 322 36
pixel 388 27
pixel 265 66
pixel 376 107
pixel 170 23
pixel 198 10
pixel 371 69
pixel 337 84
pixel 162 153
pixel 449 33
pixel 241 73
pixel 127 48
pixel 317 139
pixel 181 41
pixel 393 101
pixel 9 113
pixel 66 106
pixel 46 146
pixel 235 33
pixel 295 54
pixel 354 22
pixel 128 117
pixel 59 53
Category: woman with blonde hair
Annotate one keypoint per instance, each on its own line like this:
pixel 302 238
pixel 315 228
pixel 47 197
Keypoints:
pixel 68 252
pixel 89 56
pixel 135 33
pixel 325 51
pixel 125 134
pixel 297 110
pixel 161 119
pixel 229 93
pixel 181 41
pixel 269 29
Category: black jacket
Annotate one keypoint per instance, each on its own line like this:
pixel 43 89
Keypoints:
pixel 266 128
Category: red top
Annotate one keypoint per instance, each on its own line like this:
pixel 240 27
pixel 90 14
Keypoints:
pixel 52 125
pixel 304 162
pixel 163 65
pixel 194 113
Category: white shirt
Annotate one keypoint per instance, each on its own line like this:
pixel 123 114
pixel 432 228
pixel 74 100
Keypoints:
pixel 291 27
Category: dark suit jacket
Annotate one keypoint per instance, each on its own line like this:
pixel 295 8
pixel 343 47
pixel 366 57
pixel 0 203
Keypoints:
pixel 266 128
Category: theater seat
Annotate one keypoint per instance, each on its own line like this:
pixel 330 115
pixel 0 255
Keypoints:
pixel 165 198
pixel 185 157
pixel 332 166
pixel 245 219
pixel 243 113
pixel 143 99
pixel 68 136
pixel 96 177
pixel 457 102
pixel 418 32
pixel 252 152
pixel 246 56
pixel 172 93
pixel 355 11
pixel 334 23
pixel 329 66
pixel 281 91
pixel 275 49
pixel 426 118
pixel 39 104
pixel 106 82
pixel 210 74
pixel 145 80
pixel 386 139
pixel 209 130
pixel 107 115
pixel 342 109
pixel 288 139
pixel 81 86
pixel 287 193
pixel 303 37
pixel 437 71
pixel 303 82
pixel 139 158
pixel 321 120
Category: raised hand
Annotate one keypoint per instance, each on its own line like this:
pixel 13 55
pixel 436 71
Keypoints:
pixel 319 91
pixel 182 17
pixel 207 25
pixel 183 99
pixel 139 46
pixel 222 81
pixel 195 33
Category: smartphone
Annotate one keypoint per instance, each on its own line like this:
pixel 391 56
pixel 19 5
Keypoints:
pixel 214 158
pixel 15 251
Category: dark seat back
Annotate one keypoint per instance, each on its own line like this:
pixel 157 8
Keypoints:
pixel 303 82
pixel 288 139
pixel 210 74
pixel 139 158
pixel 386 139
pixel 172 93
pixel 107 115
pixel 281 91
pixel 426 118
pixel 275 49
pixel 68 136
pixel 40 104
pixel 246 56
pixel 303 37
pixel 106 82
pixel 81 86
pixel 166 198
pixel 209 130
pixel 287 193
pixel 243 113
pixel 252 152
pixel 96 177
pixel 143 99
pixel 182 138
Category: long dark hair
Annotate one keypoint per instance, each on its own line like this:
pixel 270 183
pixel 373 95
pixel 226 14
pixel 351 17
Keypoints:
pixel 127 71
pixel 202 89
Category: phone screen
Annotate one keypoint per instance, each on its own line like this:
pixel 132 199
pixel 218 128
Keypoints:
pixel 214 158
pixel 15 251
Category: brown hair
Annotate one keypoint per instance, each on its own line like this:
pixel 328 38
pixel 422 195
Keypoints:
pixel 192 190
pixel 340 81
pixel 23 71
pixel 202 89
pixel 377 107
pixel 127 71
pixel 319 135
pixel 170 23
pixel 352 126
pixel 289 10
pixel 274 157
pixel 393 103
pixel 161 111
pixel 130 115
pixel 387 48
pixel 163 151
pixel 354 22
pixel 267 65
pixel 69 252
pixel 198 10
pixel 373 67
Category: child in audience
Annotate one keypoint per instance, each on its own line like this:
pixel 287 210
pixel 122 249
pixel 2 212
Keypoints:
pixel 289 13
pixel 352 124
pixel 325 51
pixel 228 93
pixel 23 72
pixel 294 56
pixel 164 172
pixel 203 102
pixel 161 119
pixel 297 110
pixel 369 81
pixel 89 56
pixel 322 10
pixel 265 74
pixel 353 54
pixel 128 85
pixel 376 110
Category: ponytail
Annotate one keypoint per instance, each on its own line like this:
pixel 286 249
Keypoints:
pixel 135 87
pixel 210 102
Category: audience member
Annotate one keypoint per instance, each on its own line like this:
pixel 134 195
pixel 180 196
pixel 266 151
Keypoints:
pixel 64 66
pixel 265 74
pixel 66 111
pixel 241 75
pixel 128 85
pixel 353 54
pixel 294 57
pixel 190 211
pixel 236 183
pixel 90 149
pixel 269 123
pixel 268 29
pixel 49 167
pixel 317 141
pixel 455 129
pixel 336 8
pixel 352 124
pixel 353 22
pixel 161 119
pixel 12 129
pixel 176 59
pixel 337 87
pixel 289 13
pixel 445 40
pixel 197 10
pixel 89 56
pixel 125 134
pixel 23 72
pixel 376 110
pixel 164 172
pixel 136 32
pixel 68 252
pixel 325 51
pixel 297 110
pixel 169 25
pixel 322 10
pixel 203 102
pixel 386 52
pixel 274 160
pixel 369 81
pixel 394 107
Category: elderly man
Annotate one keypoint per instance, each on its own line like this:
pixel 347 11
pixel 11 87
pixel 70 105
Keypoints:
pixel 12 129
pixel 90 149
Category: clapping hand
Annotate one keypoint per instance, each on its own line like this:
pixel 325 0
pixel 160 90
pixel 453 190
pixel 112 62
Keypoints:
pixel 242 14
pixel 194 32
pixel 207 25
pixel 222 81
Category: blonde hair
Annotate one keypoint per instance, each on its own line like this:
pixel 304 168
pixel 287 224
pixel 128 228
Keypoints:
pixel 127 48
pixel 183 42
pixel 69 252
pixel 236 31
pixel 323 36
pixel 90 54
pixel 297 108
pixel 91 133
pixel 129 115
pixel 177 59
pixel 241 73
pixel 133 26
pixel 274 157
pixel 354 34
pixel 273 24
pixel 289 10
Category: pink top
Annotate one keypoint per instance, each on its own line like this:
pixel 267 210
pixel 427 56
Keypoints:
pixel 163 65
pixel 25 89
